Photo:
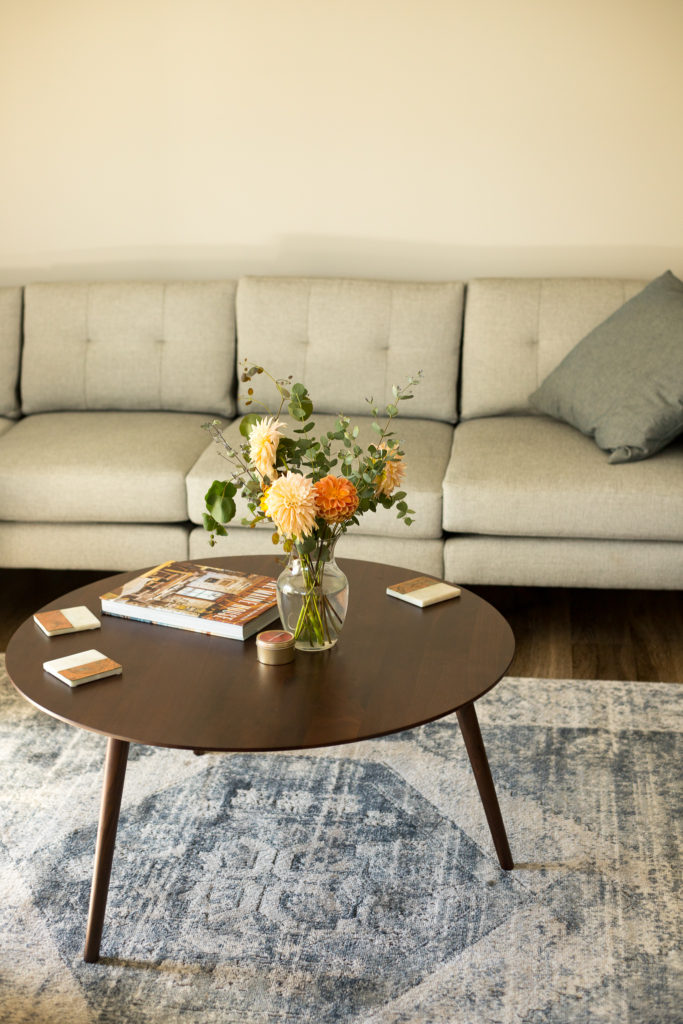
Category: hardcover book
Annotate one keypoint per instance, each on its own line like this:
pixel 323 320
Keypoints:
pixel 84 667
pixel 184 595
pixel 66 620
pixel 423 591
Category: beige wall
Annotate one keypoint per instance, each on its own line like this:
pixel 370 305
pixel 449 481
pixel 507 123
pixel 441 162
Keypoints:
pixel 395 138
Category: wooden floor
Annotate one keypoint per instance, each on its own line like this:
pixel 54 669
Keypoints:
pixel 561 634
pixel 593 634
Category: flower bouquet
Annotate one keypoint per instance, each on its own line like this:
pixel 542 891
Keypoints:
pixel 311 488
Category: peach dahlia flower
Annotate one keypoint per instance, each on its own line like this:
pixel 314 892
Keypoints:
pixel 290 503
pixel 336 498
pixel 392 475
pixel 264 437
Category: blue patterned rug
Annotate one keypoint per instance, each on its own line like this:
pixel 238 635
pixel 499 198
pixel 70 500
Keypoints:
pixel 355 884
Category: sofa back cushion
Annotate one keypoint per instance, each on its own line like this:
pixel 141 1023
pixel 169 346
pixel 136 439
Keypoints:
pixel 518 329
pixel 130 346
pixel 352 339
pixel 10 349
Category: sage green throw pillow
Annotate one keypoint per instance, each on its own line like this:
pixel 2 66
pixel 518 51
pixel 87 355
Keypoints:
pixel 623 383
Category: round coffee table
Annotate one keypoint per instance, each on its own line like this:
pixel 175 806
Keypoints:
pixel 395 667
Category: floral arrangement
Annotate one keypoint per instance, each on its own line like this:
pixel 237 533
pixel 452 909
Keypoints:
pixel 311 488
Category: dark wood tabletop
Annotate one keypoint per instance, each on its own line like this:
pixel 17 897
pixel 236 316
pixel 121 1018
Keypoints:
pixel 395 666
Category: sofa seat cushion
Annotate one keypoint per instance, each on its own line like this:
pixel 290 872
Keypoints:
pixel 530 476
pixel 564 562
pixel 104 546
pixel 106 467
pixel 5 425
pixel 427 446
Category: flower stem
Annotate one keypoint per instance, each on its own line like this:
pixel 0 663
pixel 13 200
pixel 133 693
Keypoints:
pixel 317 614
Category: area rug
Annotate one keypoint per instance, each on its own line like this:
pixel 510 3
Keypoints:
pixel 355 884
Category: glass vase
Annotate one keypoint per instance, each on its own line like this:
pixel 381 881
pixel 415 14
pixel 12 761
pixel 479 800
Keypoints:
pixel 312 596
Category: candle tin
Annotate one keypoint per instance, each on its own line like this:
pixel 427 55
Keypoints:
pixel 275 647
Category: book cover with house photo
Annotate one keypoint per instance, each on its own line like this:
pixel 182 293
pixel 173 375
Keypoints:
pixel 221 602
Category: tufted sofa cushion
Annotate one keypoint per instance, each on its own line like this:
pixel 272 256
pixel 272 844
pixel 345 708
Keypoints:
pixel 10 348
pixel 517 330
pixel 129 346
pixel 348 339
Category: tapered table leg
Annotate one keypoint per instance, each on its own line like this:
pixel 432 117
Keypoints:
pixel 474 744
pixel 114 775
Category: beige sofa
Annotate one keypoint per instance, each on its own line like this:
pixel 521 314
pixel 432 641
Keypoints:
pixel 104 387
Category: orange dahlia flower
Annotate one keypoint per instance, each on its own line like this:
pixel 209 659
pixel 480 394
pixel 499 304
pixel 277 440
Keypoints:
pixel 336 498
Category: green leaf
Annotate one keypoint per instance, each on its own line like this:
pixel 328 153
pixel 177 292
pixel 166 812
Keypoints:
pixel 210 523
pixel 377 428
pixel 300 405
pixel 392 411
pixel 298 412
pixel 399 495
pixel 286 450
pixel 218 500
pixel 247 422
